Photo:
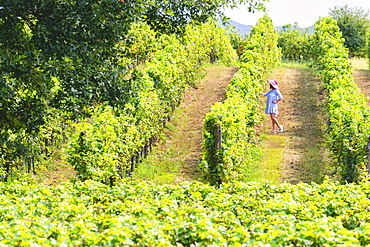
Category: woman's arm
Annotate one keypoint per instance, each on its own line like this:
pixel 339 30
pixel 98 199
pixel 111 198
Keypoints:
pixel 266 94
pixel 279 97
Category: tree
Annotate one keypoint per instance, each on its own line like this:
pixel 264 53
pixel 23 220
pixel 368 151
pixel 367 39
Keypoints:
pixel 354 24
pixel 294 42
pixel 172 16
pixel 55 53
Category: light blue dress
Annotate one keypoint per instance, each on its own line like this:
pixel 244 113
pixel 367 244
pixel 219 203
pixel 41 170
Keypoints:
pixel 273 94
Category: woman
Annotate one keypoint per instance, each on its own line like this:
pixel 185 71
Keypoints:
pixel 272 103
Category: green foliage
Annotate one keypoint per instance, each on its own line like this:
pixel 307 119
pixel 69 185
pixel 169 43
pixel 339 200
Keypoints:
pixel 188 214
pixel 239 113
pixel 168 70
pixel 55 55
pixel 354 24
pixel 97 151
pixel 172 16
pixel 294 43
pixel 238 140
pixel 140 43
pixel 211 42
pixel 347 111
pixel 261 47
pixel 237 41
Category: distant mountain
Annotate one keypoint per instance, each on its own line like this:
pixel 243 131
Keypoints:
pixel 241 28
pixel 245 29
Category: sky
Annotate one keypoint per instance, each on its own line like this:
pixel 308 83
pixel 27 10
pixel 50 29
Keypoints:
pixel 282 12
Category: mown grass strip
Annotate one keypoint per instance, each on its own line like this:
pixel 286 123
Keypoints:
pixel 299 154
pixel 272 155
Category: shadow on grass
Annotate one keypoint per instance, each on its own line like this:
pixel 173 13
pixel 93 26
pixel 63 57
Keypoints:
pixel 307 137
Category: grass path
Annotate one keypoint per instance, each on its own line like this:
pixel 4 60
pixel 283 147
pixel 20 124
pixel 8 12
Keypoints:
pixel 297 155
pixel 178 154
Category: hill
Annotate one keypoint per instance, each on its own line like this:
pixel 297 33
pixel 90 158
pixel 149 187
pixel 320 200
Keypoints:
pixel 245 29
pixel 241 28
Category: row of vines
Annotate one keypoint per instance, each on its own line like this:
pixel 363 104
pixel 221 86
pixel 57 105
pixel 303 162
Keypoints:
pixel 348 127
pixel 142 214
pixel 239 113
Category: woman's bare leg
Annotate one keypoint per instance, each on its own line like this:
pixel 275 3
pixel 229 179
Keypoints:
pixel 274 121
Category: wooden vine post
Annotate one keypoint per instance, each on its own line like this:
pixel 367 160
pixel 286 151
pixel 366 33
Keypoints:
pixel 218 137
pixel 218 146
pixel 368 156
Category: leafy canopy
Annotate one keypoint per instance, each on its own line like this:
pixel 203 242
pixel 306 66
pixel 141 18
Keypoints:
pixel 354 24
pixel 171 16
